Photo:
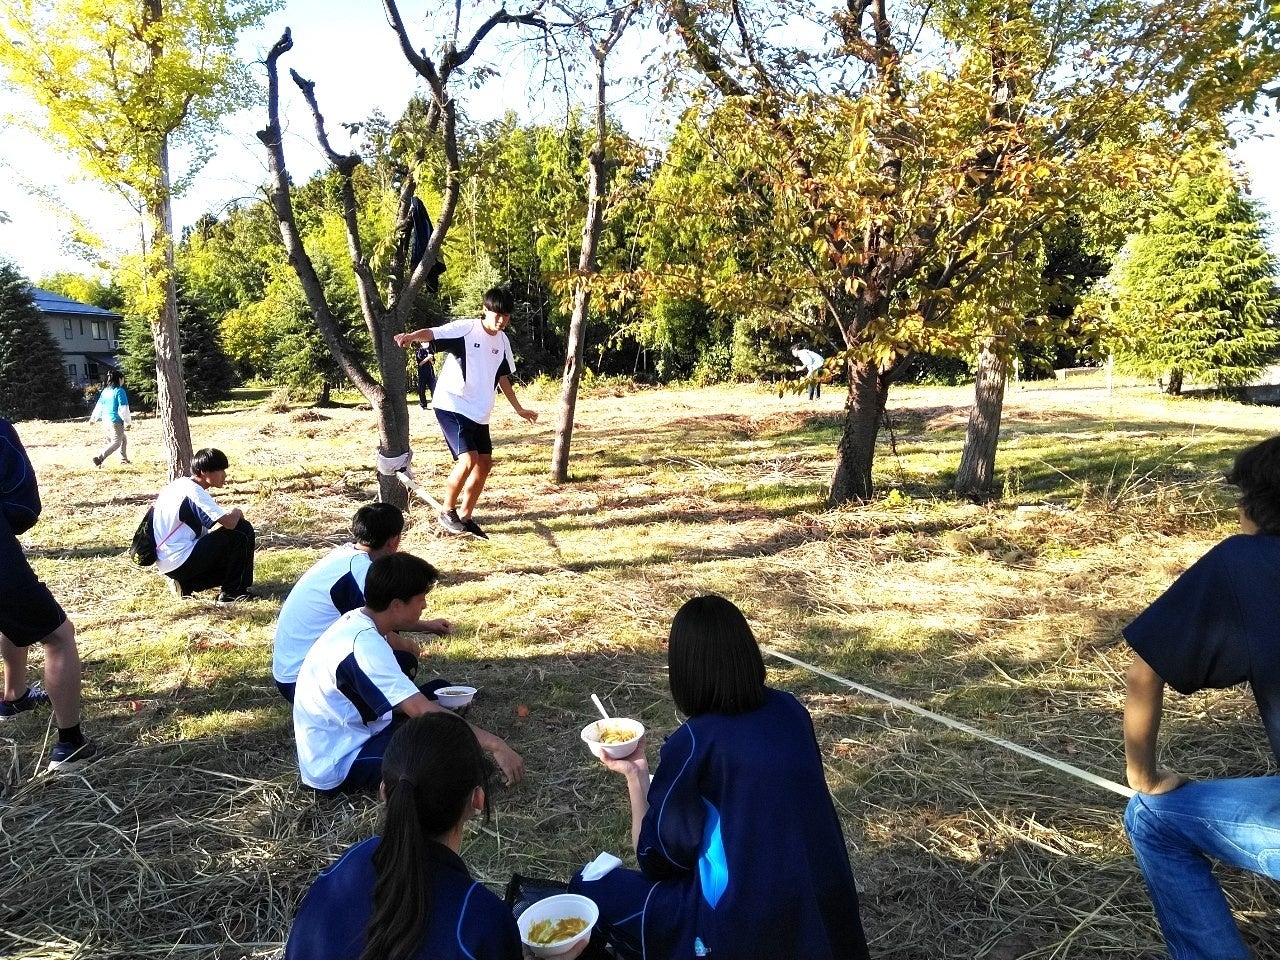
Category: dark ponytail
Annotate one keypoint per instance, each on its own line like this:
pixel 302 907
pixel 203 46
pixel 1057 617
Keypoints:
pixel 431 768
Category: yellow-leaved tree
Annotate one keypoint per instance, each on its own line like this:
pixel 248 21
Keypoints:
pixel 115 84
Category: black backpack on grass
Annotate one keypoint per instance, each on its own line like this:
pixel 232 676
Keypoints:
pixel 143 548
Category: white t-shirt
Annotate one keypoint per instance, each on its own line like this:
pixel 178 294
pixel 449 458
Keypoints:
pixel 347 687
pixel 811 361
pixel 474 360
pixel 333 586
pixel 182 508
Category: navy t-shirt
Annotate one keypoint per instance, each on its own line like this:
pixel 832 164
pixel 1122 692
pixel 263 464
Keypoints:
pixel 1219 625
pixel 19 495
pixel 743 834
pixel 468 922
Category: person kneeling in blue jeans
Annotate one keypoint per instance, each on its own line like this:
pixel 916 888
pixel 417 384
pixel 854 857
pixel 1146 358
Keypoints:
pixel 1215 627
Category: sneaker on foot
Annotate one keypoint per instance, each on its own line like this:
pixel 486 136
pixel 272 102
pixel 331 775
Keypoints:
pixel 473 528
pixel 449 520
pixel 97 461
pixel 245 597
pixel 34 697
pixel 71 756
pixel 123 460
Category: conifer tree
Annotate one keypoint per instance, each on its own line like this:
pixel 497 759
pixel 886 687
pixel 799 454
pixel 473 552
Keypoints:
pixel 1194 296
pixel 32 381
pixel 206 369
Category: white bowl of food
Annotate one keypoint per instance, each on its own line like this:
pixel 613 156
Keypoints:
pixel 554 926
pixel 615 738
pixel 455 697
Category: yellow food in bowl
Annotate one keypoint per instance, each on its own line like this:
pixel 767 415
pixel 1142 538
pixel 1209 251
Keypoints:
pixel 607 734
pixel 546 932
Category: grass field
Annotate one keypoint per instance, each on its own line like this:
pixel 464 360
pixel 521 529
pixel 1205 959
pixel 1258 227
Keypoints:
pixel 193 838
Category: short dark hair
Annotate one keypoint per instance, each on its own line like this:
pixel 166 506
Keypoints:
pixel 113 378
pixel 499 300
pixel 376 523
pixel 1256 472
pixel 208 460
pixel 397 576
pixel 713 661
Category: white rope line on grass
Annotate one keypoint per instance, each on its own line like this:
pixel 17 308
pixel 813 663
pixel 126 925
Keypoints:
pixel 963 727
pixel 412 484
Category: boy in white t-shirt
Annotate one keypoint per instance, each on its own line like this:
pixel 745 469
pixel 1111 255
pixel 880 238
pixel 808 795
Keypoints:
pixel 478 359
pixel 352 694
pixel 334 585
pixel 200 544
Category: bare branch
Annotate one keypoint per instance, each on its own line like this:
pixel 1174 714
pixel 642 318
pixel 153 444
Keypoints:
pixel 345 164
pixel 456 58
pixel 282 203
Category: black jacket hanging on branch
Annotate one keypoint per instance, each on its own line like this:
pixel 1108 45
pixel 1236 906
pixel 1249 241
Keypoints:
pixel 420 234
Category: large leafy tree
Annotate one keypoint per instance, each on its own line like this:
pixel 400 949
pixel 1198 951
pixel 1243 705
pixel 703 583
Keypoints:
pixel 891 163
pixel 116 83
pixel 1194 295
pixel 32 381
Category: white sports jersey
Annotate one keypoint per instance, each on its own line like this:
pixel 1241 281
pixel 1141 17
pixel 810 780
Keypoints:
pixel 474 360
pixel 347 687
pixel 184 512
pixel 333 586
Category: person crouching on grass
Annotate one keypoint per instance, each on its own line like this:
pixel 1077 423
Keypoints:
pixel 478 358
pixel 352 692
pixel 200 544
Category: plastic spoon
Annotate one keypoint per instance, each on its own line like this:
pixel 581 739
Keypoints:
pixel 600 706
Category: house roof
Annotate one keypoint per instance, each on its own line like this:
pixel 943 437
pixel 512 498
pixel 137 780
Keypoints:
pixel 49 302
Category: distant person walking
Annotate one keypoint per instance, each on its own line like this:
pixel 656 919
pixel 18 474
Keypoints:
pixel 426 360
pixel 29 614
pixel 112 410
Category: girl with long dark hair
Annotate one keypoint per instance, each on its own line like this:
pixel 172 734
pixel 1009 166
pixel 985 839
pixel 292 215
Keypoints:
pixel 740 850
pixel 407 895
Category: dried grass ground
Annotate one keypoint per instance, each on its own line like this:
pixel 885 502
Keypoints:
pixel 193 838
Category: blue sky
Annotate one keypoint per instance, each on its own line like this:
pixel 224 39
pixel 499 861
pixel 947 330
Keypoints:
pixel 357 65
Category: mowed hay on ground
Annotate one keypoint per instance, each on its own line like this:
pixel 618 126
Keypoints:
pixel 193 838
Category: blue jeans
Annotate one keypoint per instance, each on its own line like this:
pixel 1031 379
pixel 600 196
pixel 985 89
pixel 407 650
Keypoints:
pixel 1174 835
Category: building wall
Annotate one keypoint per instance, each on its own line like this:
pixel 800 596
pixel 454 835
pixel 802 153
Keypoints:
pixel 78 336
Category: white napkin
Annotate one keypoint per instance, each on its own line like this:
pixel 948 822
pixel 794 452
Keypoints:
pixel 601 865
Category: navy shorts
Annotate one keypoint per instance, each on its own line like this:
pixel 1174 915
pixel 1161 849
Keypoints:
pixel 464 435
pixel 28 611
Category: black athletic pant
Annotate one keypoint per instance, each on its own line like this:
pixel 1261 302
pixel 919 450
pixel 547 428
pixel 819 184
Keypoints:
pixel 221 558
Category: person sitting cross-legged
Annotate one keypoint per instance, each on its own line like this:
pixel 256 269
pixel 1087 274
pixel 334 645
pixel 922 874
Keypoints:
pixel 1216 626
pixel 335 585
pixel 199 544
pixel 352 692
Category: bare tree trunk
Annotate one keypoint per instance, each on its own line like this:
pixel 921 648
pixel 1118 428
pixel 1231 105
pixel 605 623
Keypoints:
pixel 171 392
pixel 1174 389
pixel 392 408
pixel 863 409
pixel 978 459
pixel 586 269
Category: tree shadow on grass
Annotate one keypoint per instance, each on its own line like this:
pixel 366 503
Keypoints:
pixel 959 850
